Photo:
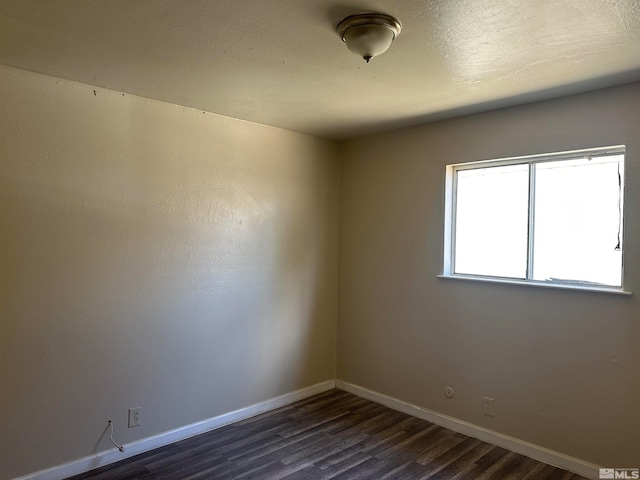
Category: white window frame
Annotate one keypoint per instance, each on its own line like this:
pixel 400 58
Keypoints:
pixel 450 220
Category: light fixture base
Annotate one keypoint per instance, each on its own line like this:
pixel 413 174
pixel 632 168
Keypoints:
pixel 368 34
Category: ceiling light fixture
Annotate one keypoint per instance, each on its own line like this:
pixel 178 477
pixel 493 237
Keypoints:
pixel 368 34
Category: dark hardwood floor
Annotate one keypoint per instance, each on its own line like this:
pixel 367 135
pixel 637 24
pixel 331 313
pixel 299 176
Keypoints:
pixel 334 435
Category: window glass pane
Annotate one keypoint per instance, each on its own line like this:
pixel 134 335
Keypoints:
pixel 578 221
pixel 491 221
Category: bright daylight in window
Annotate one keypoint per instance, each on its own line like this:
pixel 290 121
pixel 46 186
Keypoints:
pixel 552 219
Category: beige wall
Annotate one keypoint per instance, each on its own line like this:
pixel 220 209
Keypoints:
pixel 563 366
pixel 154 256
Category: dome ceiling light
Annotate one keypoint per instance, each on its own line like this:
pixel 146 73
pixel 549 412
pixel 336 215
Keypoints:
pixel 368 34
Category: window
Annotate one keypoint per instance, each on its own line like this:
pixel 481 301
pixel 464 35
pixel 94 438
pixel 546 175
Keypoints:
pixel 552 219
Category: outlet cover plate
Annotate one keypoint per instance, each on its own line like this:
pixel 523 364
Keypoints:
pixel 134 417
pixel 488 407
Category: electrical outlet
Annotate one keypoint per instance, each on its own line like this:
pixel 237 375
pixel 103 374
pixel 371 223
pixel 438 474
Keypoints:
pixel 134 417
pixel 488 407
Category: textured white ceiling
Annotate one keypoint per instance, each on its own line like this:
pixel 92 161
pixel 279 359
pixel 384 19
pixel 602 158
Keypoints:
pixel 280 62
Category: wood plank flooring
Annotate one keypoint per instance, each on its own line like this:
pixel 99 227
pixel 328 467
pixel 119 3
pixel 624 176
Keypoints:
pixel 334 435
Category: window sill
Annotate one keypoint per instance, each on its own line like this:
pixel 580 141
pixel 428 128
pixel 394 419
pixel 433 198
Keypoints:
pixel 557 286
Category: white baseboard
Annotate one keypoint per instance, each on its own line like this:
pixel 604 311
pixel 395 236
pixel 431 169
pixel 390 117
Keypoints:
pixel 512 444
pixel 530 450
pixel 146 444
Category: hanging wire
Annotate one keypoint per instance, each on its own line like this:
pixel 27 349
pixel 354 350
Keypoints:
pixel 119 447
